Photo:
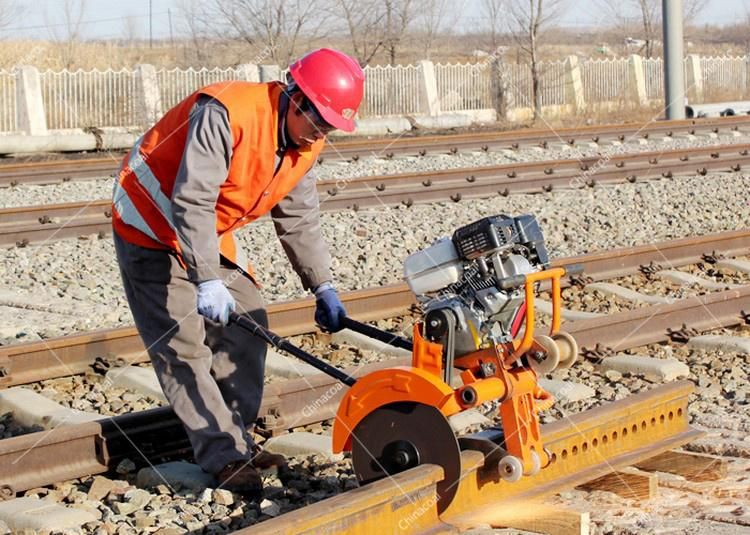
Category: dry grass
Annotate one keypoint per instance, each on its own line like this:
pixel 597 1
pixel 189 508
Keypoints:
pixel 207 53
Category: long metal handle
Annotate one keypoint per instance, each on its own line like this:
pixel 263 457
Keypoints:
pixel 377 334
pixel 249 324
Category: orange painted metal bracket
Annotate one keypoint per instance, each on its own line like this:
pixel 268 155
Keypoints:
pixel 389 386
pixel 554 275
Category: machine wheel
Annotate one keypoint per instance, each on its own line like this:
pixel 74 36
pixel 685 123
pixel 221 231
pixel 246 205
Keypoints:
pixel 402 435
pixel 549 360
pixel 568 348
pixel 510 468
pixel 536 463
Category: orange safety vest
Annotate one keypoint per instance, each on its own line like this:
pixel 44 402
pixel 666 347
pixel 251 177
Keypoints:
pixel 142 212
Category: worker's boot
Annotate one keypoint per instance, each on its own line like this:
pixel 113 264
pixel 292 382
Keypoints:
pixel 264 460
pixel 241 477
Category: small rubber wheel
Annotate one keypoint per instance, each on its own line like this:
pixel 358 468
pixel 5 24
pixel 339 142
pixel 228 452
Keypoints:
pixel 551 358
pixel 510 468
pixel 568 348
pixel 536 464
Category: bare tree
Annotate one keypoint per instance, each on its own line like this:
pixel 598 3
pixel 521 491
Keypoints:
pixel 363 20
pixel 528 20
pixel 68 33
pixel 191 23
pixel 644 18
pixel 381 25
pixel 433 21
pixel 277 26
pixel 398 15
pixel 492 12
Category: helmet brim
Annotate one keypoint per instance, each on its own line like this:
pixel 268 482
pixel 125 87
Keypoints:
pixel 336 120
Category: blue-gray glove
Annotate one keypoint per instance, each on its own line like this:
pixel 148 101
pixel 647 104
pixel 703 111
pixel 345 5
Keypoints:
pixel 328 309
pixel 214 301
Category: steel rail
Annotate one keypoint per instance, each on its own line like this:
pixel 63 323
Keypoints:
pixel 56 357
pixel 584 446
pixel 621 331
pixel 52 172
pixel 21 226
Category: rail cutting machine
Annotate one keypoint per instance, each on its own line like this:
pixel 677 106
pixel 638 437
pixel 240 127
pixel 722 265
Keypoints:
pixel 476 344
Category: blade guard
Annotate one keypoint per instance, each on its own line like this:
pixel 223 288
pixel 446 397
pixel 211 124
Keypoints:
pixel 382 387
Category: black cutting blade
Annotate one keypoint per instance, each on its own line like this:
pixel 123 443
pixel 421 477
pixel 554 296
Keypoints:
pixel 402 435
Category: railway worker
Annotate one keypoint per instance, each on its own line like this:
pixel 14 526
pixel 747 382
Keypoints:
pixel 223 157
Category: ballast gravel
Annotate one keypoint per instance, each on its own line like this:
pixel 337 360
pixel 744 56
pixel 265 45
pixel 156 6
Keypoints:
pixel 369 246
pixel 79 191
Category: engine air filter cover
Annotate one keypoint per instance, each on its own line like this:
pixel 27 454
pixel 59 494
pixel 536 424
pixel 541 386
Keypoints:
pixel 484 236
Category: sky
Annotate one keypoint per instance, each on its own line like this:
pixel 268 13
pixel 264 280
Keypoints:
pixel 107 18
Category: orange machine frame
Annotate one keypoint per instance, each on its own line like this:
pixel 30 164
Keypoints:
pixel 514 386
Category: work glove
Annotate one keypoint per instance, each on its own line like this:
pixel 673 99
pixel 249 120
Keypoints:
pixel 214 301
pixel 328 308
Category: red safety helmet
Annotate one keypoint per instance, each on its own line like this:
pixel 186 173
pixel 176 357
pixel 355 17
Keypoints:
pixel 333 82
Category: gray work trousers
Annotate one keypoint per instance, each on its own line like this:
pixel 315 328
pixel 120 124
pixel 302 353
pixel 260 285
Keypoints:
pixel 212 375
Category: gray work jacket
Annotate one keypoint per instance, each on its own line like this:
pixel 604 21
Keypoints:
pixel 204 168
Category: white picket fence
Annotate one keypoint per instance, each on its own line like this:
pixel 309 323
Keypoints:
pixel 88 98
pixel 392 90
pixel 725 75
pixel 7 101
pixel 176 84
pixel 79 99
pixel 605 80
pixel 464 86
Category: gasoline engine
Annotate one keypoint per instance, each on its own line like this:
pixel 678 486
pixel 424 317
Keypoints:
pixel 470 285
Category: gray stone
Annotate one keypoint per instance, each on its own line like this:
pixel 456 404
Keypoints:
pixel 267 507
pixel 289 367
pixel 30 409
pixel 365 342
pixel 651 368
pixel 100 488
pixel 567 390
pixel 138 497
pixel 567 314
pixel 223 497
pixel 717 342
pixel 125 467
pixel 302 443
pixel 139 379
pixel 463 420
pixel 175 474
pixel 742 266
pixel 687 279
pixel 607 288
pixel 41 515
pixel 613 375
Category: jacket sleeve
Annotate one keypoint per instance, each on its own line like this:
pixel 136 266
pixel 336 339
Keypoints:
pixel 203 169
pixel 297 221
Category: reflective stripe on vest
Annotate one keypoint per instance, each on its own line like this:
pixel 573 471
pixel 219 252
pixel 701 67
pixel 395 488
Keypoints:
pixel 128 212
pixel 146 178
pixel 231 248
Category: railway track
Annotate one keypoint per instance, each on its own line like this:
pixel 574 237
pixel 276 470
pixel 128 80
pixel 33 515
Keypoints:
pixel 52 172
pixel 28 225
pixel 71 451
pixel 35 361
